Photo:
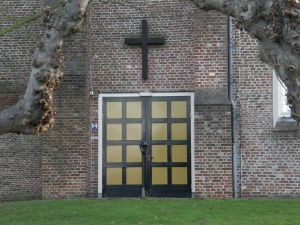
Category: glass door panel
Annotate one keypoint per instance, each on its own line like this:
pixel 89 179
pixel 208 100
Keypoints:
pixel 159 175
pixel 114 154
pixel 159 131
pixel 179 175
pixel 159 153
pixel 134 175
pixel 179 153
pixel 133 153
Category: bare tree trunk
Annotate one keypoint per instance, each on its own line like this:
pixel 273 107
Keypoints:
pixel 276 25
pixel 33 113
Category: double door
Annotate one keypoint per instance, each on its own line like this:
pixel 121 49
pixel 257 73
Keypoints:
pixel 165 124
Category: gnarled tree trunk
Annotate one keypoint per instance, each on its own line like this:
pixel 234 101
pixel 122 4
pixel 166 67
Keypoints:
pixel 33 112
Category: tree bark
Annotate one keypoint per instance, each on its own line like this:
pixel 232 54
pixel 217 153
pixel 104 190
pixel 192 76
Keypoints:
pixel 276 26
pixel 274 23
pixel 33 112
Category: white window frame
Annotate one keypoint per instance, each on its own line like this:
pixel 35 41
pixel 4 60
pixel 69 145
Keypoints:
pixel 279 99
pixel 140 94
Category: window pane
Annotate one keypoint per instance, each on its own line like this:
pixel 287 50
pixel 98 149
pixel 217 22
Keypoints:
pixel 113 176
pixel 114 153
pixel 133 153
pixel 159 109
pixel 179 153
pixel 179 131
pixel 285 109
pixel 134 131
pixel 114 132
pixel 114 110
pixel 159 131
pixel 179 175
pixel 134 175
pixel 178 109
pixel 159 153
pixel 133 110
pixel 159 175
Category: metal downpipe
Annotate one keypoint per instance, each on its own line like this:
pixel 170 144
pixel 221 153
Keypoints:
pixel 233 107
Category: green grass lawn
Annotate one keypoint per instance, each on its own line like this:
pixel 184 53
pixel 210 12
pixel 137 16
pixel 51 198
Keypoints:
pixel 151 211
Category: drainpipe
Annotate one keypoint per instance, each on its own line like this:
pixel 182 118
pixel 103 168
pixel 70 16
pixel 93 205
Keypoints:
pixel 233 107
pixel 241 172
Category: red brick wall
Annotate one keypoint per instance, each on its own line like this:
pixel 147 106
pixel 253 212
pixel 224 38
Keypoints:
pixel 213 173
pixel 270 165
pixel 66 153
pixel 116 67
pixel 213 176
pixel 210 51
pixel 55 164
pixel 65 149
pixel 20 156
pixel 20 167
pixel 64 162
pixel 193 59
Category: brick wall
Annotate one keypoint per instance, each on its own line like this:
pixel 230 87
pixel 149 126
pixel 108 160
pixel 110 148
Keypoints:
pixel 20 167
pixel 53 165
pixel 20 156
pixel 270 160
pixel 65 148
pixel 213 173
pixel 64 162
pixel 213 176
pixel 190 60
pixel 116 67
pixel 65 169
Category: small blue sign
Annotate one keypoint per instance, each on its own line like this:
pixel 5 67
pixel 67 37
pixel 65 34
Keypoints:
pixel 94 126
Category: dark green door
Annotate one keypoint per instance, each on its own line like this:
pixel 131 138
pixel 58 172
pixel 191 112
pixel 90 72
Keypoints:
pixel 164 122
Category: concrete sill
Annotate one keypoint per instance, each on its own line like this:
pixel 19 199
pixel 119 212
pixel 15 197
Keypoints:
pixel 286 124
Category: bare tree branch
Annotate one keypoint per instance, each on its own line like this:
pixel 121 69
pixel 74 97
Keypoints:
pixel 33 113
pixel 19 24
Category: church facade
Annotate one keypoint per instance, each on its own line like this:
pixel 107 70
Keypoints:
pixel 181 81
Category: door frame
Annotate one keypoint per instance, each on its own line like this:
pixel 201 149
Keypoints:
pixel 143 94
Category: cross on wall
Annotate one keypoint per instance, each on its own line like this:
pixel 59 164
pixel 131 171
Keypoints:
pixel 144 41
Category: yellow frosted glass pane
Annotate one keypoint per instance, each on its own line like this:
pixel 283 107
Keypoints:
pixel 179 153
pixel 114 132
pixel 114 153
pixel 178 109
pixel 134 131
pixel 133 110
pixel 179 175
pixel 159 175
pixel 133 175
pixel 179 131
pixel 159 131
pixel 159 109
pixel 114 110
pixel 159 153
pixel 133 153
pixel 113 176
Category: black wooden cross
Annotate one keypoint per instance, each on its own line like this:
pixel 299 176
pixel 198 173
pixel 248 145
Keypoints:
pixel 144 41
